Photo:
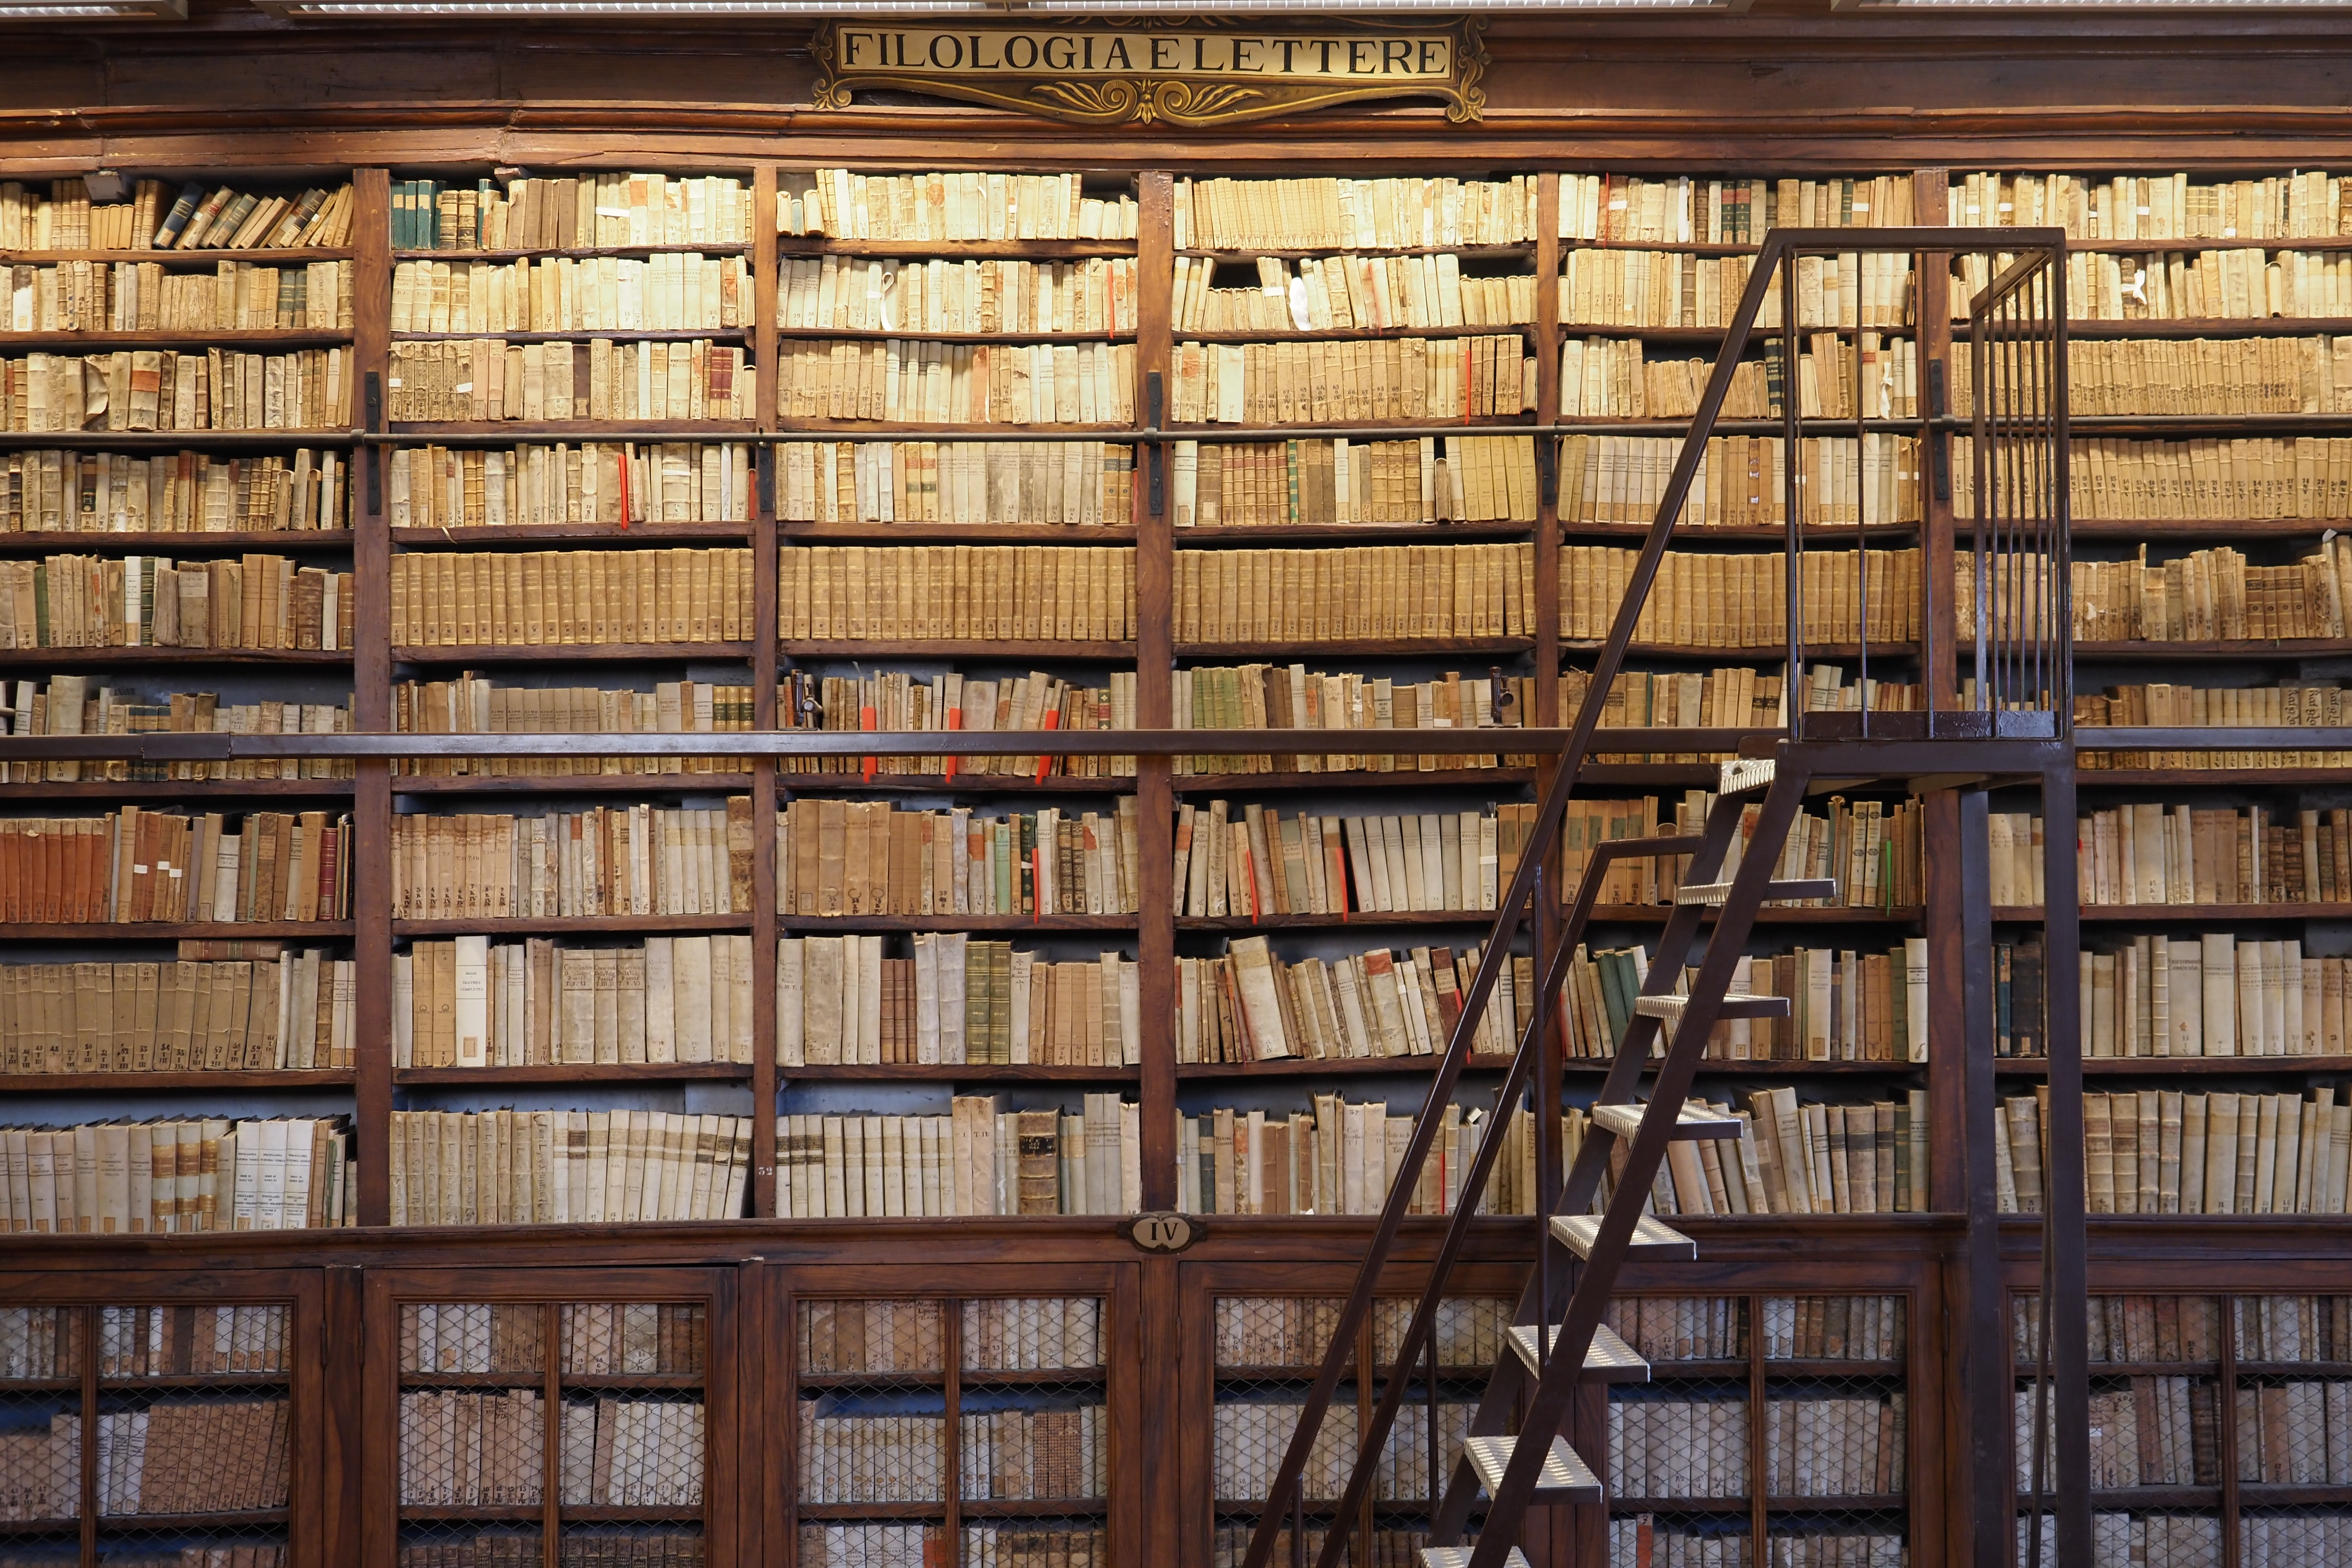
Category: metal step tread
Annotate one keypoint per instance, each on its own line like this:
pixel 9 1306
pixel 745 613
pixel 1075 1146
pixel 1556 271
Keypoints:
pixel 1736 1005
pixel 1563 1479
pixel 1691 1125
pixel 1652 1238
pixel 1459 1557
pixel 1609 1359
pixel 1746 775
pixel 1714 895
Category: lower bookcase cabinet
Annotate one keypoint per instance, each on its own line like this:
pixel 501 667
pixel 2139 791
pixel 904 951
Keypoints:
pixel 978 1425
pixel 555 1420
pixel 144 1422
pixel 2221 1428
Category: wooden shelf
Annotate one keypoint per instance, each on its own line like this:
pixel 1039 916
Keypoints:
pixel 412 432
pixel 1051 1508
pixel 178 658
pixel 178 338
pixel 1340 1066
pixel 937 783
pixel 45 540
pixel 238 1082
pixel 922 335
pixel 554 925
pixel 1724 1066
pixel 2222 913
pixel 921 430
pixel 2280 647
pixel 799 245
pixel 2207 326
pixel 1683 247
pixel 308 932
pixel 2206 778
pixel 1006 923
pixel 583 334
pixel 576 783
pixel 184 790
pixel 1305 428
pixel 1255 535
pixel 1522 251
pixel 176 440
pixel 954 533
pixel 292 255
pixel 961 647
pixel 956 1072
pixel 1343 334
pixel 2189 530
pixel 1687 535
pixel 648 535
pixel 229 1518
pixel 553 653
pixel 2165 1067
pixel 1340 648
pixel 532 1378
pixel 2264 242
pixel 1767 651
pixel 704 248
pixel 1401 778
pixel 225 1381
pixel 576 1072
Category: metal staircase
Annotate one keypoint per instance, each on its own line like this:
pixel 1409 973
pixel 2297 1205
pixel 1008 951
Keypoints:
pixel 2014 727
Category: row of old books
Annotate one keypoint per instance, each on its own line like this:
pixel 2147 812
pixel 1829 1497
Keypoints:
pixel 1252 1331
pixel 980 1159
pixel 164 389
pixel 948 702
pixel 2242 477
pixel 226 219
pixel 672 291
pixel 960 205
pixel 847 1456
pixel 840 858
pixel 1684 210
pixel 555 598
pixel 475 705
pixel 1248 1437
pixel 182 492
pixel 470 1002
pixel 1612 378
pixel 220 1457
pixel 1292 697
pixel 2166 1151
pixel 632 1453
pixel 1815 1446
pixel 2293 1327
pixel 40 1469
pixel 1843 1006
pixel 260 601
pixel 2296 1433
pixel 1257 863
pixel 869 294
pixel 1808 1158
pixel 593 1338
pixel 1249 1006
pixel 1643 1539
pixel 2183 1540
pixel 605 860
pixel 1740 481
pixel 2205 594
pixel 2231 376
pixel 1348 292
pixel 1087 484
pixel 614 483
pixel 142 1178
pixel 463 1449
pixel 140 297
pixel 572 210
pixel 955 591
pixel 2155 1431
pixel 97 1017
pixel 2208 994
pixel 2142 1328
pixel 1740 601
pixel 1359 592
pixel 840 1002
pixel 136 865
pixel 1315 382
pixel 65 706
pixel 191 1340
pixel 1019 1334
pixel 1319 212
pixel 2155 852
pixel 1043 1545
pixel 1442 479
pixel 1871 848
pixel 539 1167
pixel 489 378
pixel 2226 284
pixel 2147 206
pixel 2286 704
pixel 915 380
pixel 1667 288
pixel 623 1547
pixel 1229 1544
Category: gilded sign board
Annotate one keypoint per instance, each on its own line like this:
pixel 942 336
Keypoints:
pixel 1196 72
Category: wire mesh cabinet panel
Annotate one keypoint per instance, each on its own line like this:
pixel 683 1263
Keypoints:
pixel 161 1422
pixel 548 1419
pixel 922 1419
